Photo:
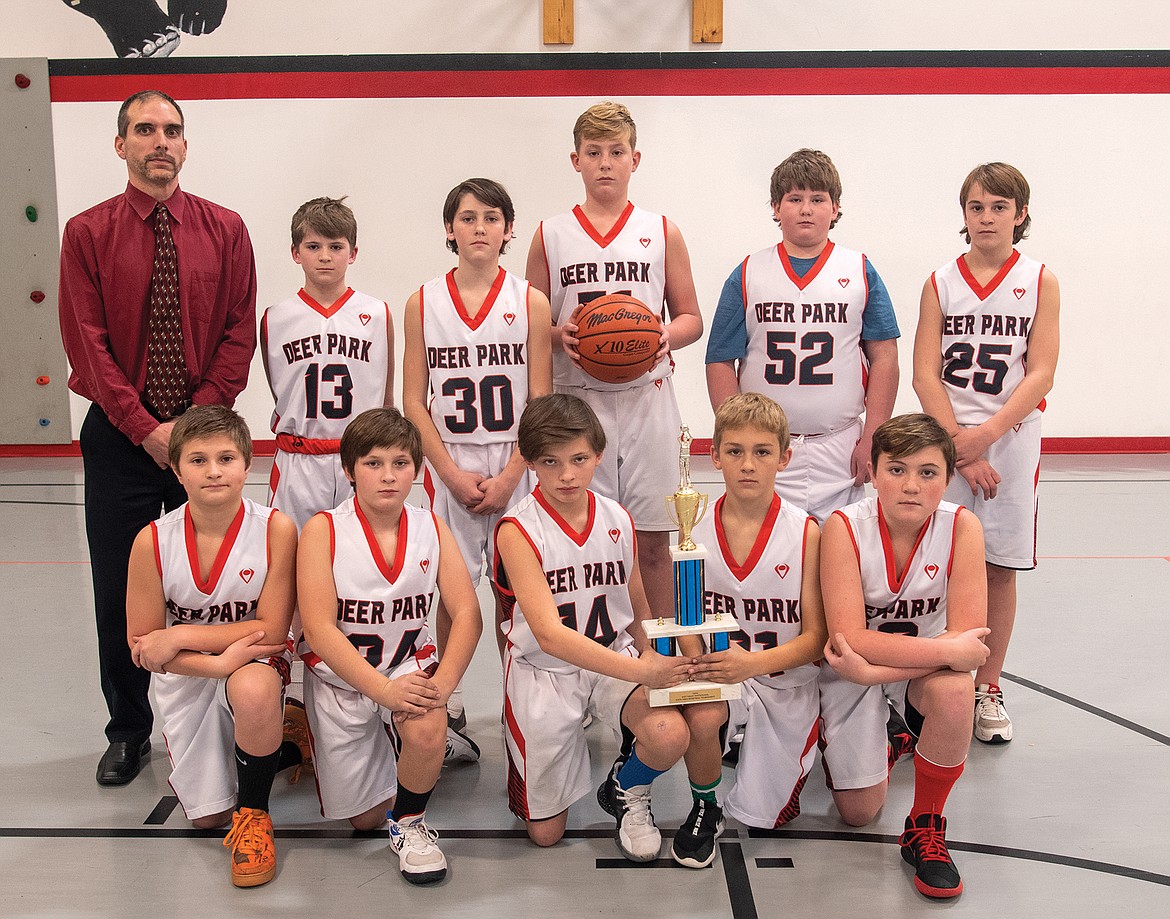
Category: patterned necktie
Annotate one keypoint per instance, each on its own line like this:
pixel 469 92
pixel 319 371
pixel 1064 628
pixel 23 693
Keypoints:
pixel 166 378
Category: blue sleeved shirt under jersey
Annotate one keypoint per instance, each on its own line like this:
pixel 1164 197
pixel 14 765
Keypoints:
pixel 728 339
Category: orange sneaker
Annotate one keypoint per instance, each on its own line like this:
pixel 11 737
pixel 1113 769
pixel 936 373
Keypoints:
pixel 253 848
pixel 296 730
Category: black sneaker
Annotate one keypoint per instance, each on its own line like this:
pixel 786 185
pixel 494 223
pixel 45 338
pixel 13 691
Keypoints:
pixel 694 842
pixel 901 740
pixel 924 847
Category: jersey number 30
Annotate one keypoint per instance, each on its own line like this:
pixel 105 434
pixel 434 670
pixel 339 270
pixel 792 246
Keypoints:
pixel 493 408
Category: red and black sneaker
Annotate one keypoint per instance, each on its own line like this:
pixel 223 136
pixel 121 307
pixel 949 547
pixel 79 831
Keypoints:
pixel 900 739
pixel 924 847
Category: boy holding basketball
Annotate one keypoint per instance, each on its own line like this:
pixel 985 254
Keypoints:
pixel 477 349
pixel 984 359
pixel 566 565
pixel 906 607
pixel 810 324
pixel 375 692
pixel 603 246
pixel 210 596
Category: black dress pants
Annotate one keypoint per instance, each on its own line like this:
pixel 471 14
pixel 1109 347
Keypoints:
pixel 124 490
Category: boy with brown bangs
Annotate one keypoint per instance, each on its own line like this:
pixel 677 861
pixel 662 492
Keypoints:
pixel 328 353
pixel 467 409
pixel 604 246
pixel 375 691
pixel 567 570
pixel 906 606
pixel 810 324
pixel 762 557
pixel 984 360
pixel 210 596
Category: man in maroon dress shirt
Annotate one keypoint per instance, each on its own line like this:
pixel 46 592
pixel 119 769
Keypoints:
pixel 110 255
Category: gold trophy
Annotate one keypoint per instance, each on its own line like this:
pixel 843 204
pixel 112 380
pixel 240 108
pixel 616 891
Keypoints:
pixel 686 508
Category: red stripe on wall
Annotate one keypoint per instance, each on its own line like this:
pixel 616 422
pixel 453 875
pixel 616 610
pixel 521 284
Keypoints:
pixel 701 446
pixel 826 81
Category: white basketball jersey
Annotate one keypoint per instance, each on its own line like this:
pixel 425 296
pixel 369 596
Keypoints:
pixel 584 265
pixel 478 366
pixel 985 334
pixel 916 604
pixel 804 336
pixel 232 589
pixel 762 594
pixel 587 572
pixel 382 604
pixel 327 364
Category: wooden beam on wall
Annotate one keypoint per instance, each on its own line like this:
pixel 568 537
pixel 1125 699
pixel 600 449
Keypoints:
pixel 706 21
pixel 558 22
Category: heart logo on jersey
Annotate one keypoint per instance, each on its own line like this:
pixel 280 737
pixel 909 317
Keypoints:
pixel 247 574
pixel 1019 292
pixel 509 318
pixel 645 241
pixel 1016 427
pixel 782 570
pixel 658 383
pixel 844 282
pixel 365 318
pixel 931 571
pixel 425 564
pixel 614 534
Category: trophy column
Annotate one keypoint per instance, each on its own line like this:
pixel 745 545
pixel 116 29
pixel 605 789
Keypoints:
pixel 686 507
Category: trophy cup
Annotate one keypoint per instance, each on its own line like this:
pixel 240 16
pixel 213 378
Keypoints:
pixel 686 508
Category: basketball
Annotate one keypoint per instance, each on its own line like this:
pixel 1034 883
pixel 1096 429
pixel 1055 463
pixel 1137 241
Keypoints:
pixel 618 336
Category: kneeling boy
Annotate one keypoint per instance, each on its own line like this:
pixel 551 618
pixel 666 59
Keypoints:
pixel 906 605
pixel 374 688
pixel 567 571
pixel 210 596
pixel 762 569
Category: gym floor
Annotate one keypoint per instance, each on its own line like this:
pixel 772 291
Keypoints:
pixel 1071 819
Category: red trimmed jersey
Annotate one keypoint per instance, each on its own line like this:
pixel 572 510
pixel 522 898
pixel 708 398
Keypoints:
pixel 232 589
pixel 382 604
pixel 762 594
pixel 804 336
pixel 584 265
pixel 985 334
pixel 914 604
pixel 326 364
pixel 478 365
pixel 587 572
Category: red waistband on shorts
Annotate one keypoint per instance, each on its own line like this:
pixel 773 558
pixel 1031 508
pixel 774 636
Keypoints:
pixel 294 443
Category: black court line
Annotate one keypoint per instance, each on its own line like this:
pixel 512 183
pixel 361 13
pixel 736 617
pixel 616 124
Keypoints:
pixel 1086 707
pixel 626 863
pixel 47 503
pixel 1031 855
pixel 774 863
pixel 739 884
pixel 162 811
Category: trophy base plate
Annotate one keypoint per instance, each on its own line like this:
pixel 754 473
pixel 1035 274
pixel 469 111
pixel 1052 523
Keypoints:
pixel 694 691
pixel 668 628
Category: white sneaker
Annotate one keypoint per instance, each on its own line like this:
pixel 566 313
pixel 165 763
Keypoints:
pixel 419 857
pixel 460 748
pixel 992 724
pixel 637 836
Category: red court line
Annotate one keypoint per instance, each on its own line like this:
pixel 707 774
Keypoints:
pixel 748 81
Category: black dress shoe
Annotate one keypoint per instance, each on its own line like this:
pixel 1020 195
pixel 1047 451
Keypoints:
pixel 122 762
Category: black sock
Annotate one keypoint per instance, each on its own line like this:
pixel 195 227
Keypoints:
pixel 409 803
pixel 255 775
pixel 290 755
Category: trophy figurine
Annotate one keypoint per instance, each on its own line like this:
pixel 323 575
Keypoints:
pixel 686 508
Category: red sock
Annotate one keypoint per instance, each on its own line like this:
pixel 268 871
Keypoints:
pixel 932 784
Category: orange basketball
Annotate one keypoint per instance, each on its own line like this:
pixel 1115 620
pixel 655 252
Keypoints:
pixel 618 336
